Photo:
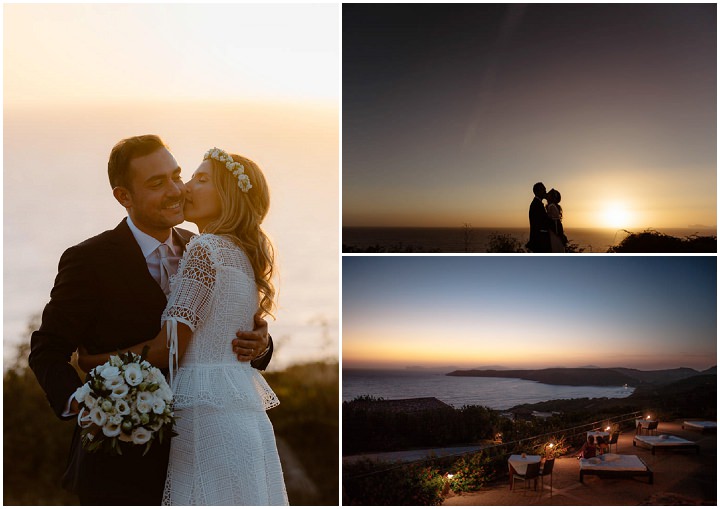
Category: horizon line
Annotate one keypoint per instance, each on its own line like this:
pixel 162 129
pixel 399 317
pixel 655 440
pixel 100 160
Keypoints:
pixel 644 228
pixel 503 368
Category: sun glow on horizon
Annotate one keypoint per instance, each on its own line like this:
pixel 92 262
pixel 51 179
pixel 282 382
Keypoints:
pixel 617 215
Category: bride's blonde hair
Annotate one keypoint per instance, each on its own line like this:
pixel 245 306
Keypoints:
pixel 241 215
pixel 553 196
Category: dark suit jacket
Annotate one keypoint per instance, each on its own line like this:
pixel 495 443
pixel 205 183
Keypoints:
pixel 540 224
pixel 104 299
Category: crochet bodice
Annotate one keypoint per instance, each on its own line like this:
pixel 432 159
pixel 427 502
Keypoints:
pixel 214 293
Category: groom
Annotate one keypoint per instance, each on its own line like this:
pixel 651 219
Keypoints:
pixel 108 296
pixel 540 222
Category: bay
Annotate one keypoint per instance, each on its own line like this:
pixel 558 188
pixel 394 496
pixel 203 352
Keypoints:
pixel 457 391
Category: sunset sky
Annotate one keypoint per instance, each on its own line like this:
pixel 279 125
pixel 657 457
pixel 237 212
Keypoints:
pixel 260 80
pixel 635 312
pixel 89 53
pixel 452 112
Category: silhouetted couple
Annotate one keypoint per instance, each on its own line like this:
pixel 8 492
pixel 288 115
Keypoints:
pixel 546 230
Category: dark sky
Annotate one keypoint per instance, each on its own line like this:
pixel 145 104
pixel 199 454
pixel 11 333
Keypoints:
pixel 463 107
pixel 640 312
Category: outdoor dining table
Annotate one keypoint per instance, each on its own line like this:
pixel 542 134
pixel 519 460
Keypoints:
pixel 644 422
pixel 641 424
pixel 520 464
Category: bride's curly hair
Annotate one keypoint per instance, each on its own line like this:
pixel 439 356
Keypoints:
pixel 240 218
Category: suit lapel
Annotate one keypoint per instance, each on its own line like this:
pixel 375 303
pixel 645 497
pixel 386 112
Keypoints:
pixel 127 249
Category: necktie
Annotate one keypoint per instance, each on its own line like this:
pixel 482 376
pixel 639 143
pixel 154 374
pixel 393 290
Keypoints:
pixel 165 268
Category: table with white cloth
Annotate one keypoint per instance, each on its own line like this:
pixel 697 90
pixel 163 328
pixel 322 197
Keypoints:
pixel 596 434
pixel 520 464
pixel 643 424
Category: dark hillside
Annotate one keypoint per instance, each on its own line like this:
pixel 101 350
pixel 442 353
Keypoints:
pixel 557 376
pixel 587 376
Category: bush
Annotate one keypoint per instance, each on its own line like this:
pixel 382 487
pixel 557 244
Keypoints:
pixel 378 483
pixel 36 443
pixel 368 429
pixel 472 472
pixel 504 243
pixel 391 248
pixel 650 241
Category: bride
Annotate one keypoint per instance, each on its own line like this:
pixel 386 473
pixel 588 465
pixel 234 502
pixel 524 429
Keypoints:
pixel 225 451
pixel 558 240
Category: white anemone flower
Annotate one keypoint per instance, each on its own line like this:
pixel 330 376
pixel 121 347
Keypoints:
pixel 158 406
pixel 145 396
pixel 121 407
pixel 144 407
pixel 110 372
pixel 133 374
pixel 141 436
pixel 97 416
pixel 90 401
pixel 120 391
pixel 111 429
pixel 81 393
pixel 113 382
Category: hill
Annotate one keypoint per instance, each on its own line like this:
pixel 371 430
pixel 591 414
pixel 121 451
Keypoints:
pixel 585 376
pixel 695 396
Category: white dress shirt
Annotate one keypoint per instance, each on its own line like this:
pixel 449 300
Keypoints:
pixel 148 246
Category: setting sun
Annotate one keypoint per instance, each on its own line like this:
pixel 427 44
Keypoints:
pixel 617 215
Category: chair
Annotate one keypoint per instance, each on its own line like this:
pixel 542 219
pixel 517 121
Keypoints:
pixel 547 469
pixel 532 473
pixel 614 440
pixel 652 428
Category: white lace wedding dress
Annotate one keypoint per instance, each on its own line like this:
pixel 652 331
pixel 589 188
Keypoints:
pixel 225 452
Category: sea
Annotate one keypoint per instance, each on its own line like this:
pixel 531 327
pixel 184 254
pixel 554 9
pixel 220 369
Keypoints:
pixel 458 391
pixel 475 240
pixel 56 195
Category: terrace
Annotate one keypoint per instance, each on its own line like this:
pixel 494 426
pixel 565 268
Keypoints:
pixel 680 478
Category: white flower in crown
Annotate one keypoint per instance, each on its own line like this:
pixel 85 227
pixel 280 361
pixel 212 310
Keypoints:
pixel 244 182
pixel 236 168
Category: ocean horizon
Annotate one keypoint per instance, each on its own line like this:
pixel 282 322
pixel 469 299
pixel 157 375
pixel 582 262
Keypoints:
pixel 454 240
pixel 495 393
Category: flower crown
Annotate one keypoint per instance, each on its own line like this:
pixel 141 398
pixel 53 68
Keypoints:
pixel 237 169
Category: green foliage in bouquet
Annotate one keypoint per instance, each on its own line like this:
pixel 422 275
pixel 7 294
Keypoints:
pixel 125 400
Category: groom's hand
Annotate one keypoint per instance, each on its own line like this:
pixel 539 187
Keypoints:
pixel 251 344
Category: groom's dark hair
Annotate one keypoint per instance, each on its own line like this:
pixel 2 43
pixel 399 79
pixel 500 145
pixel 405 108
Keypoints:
pixel 538 187
pixel 125 151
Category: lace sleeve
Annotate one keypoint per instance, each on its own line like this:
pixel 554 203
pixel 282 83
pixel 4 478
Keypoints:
pixel 190 295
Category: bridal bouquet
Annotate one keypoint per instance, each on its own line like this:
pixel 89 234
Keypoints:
pixel 125 400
